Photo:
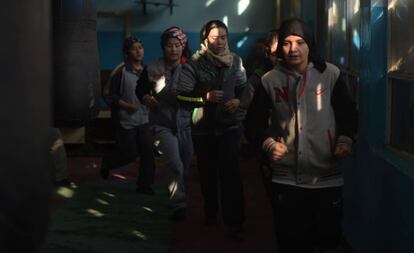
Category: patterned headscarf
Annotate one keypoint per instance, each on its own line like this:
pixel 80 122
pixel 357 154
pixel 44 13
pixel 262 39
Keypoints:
pixel 174 32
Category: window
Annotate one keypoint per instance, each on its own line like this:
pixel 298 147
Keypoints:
pixel 402 114
pixel 401 75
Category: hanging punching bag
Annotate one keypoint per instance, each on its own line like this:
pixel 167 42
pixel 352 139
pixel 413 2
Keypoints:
pixel 25 92
pixel 76 62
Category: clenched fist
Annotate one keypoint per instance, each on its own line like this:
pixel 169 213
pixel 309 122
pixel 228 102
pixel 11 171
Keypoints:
pixel 277 151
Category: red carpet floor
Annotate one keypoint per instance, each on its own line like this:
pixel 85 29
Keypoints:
pixel 191 236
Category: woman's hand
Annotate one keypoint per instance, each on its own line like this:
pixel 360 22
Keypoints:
pixel 232 105
pixel 342 150
pixel 215 96
pixel 151 103
pixel 130 108
pixel 277 151
pixel 343 147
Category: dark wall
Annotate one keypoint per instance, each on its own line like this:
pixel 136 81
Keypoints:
pixel 25 117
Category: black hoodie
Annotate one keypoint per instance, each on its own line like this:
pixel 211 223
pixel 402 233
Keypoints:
pixel 297 27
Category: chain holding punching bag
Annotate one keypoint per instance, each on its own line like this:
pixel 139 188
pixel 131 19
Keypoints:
pixel 25 94
pixel 76 62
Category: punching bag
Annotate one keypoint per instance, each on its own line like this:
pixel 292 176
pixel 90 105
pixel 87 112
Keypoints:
pixel 76 62
pixel 26 78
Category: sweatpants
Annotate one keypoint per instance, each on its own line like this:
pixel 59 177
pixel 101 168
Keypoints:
pixel 177 152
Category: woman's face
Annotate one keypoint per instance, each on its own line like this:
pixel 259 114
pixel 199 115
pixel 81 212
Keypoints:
pixel 217 40
pixel 173 50
pixel 295 51
pixel 136 52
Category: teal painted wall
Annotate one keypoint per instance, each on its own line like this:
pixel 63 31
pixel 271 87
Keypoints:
pixel 110 45
pixel 379 184
pixel 244 28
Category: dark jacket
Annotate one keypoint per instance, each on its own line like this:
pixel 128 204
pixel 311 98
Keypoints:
pixel 200 76
pixel 254 109
pixel 161 83
pixel 119 88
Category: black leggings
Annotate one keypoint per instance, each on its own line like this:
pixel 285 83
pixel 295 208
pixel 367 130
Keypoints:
pixel 134 142
pixel 305 219
pixel 220 179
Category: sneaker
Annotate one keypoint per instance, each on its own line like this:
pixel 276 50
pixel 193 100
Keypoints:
pixel 147 190
pixel 179 215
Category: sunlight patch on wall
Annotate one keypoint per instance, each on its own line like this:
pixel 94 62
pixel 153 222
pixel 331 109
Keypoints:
pixel 396 66
pixel 356 40
pixel 140 235
pixel 392 4
pixel 330 18
pixel 334 10
pixel 332 15
pixel 356 7
pixel 376 4
pixel 241 42
pixel 242 6
pixel 379 16
pixel 209 2
pixel 95 213
pixel 343 25
pixel 226 21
